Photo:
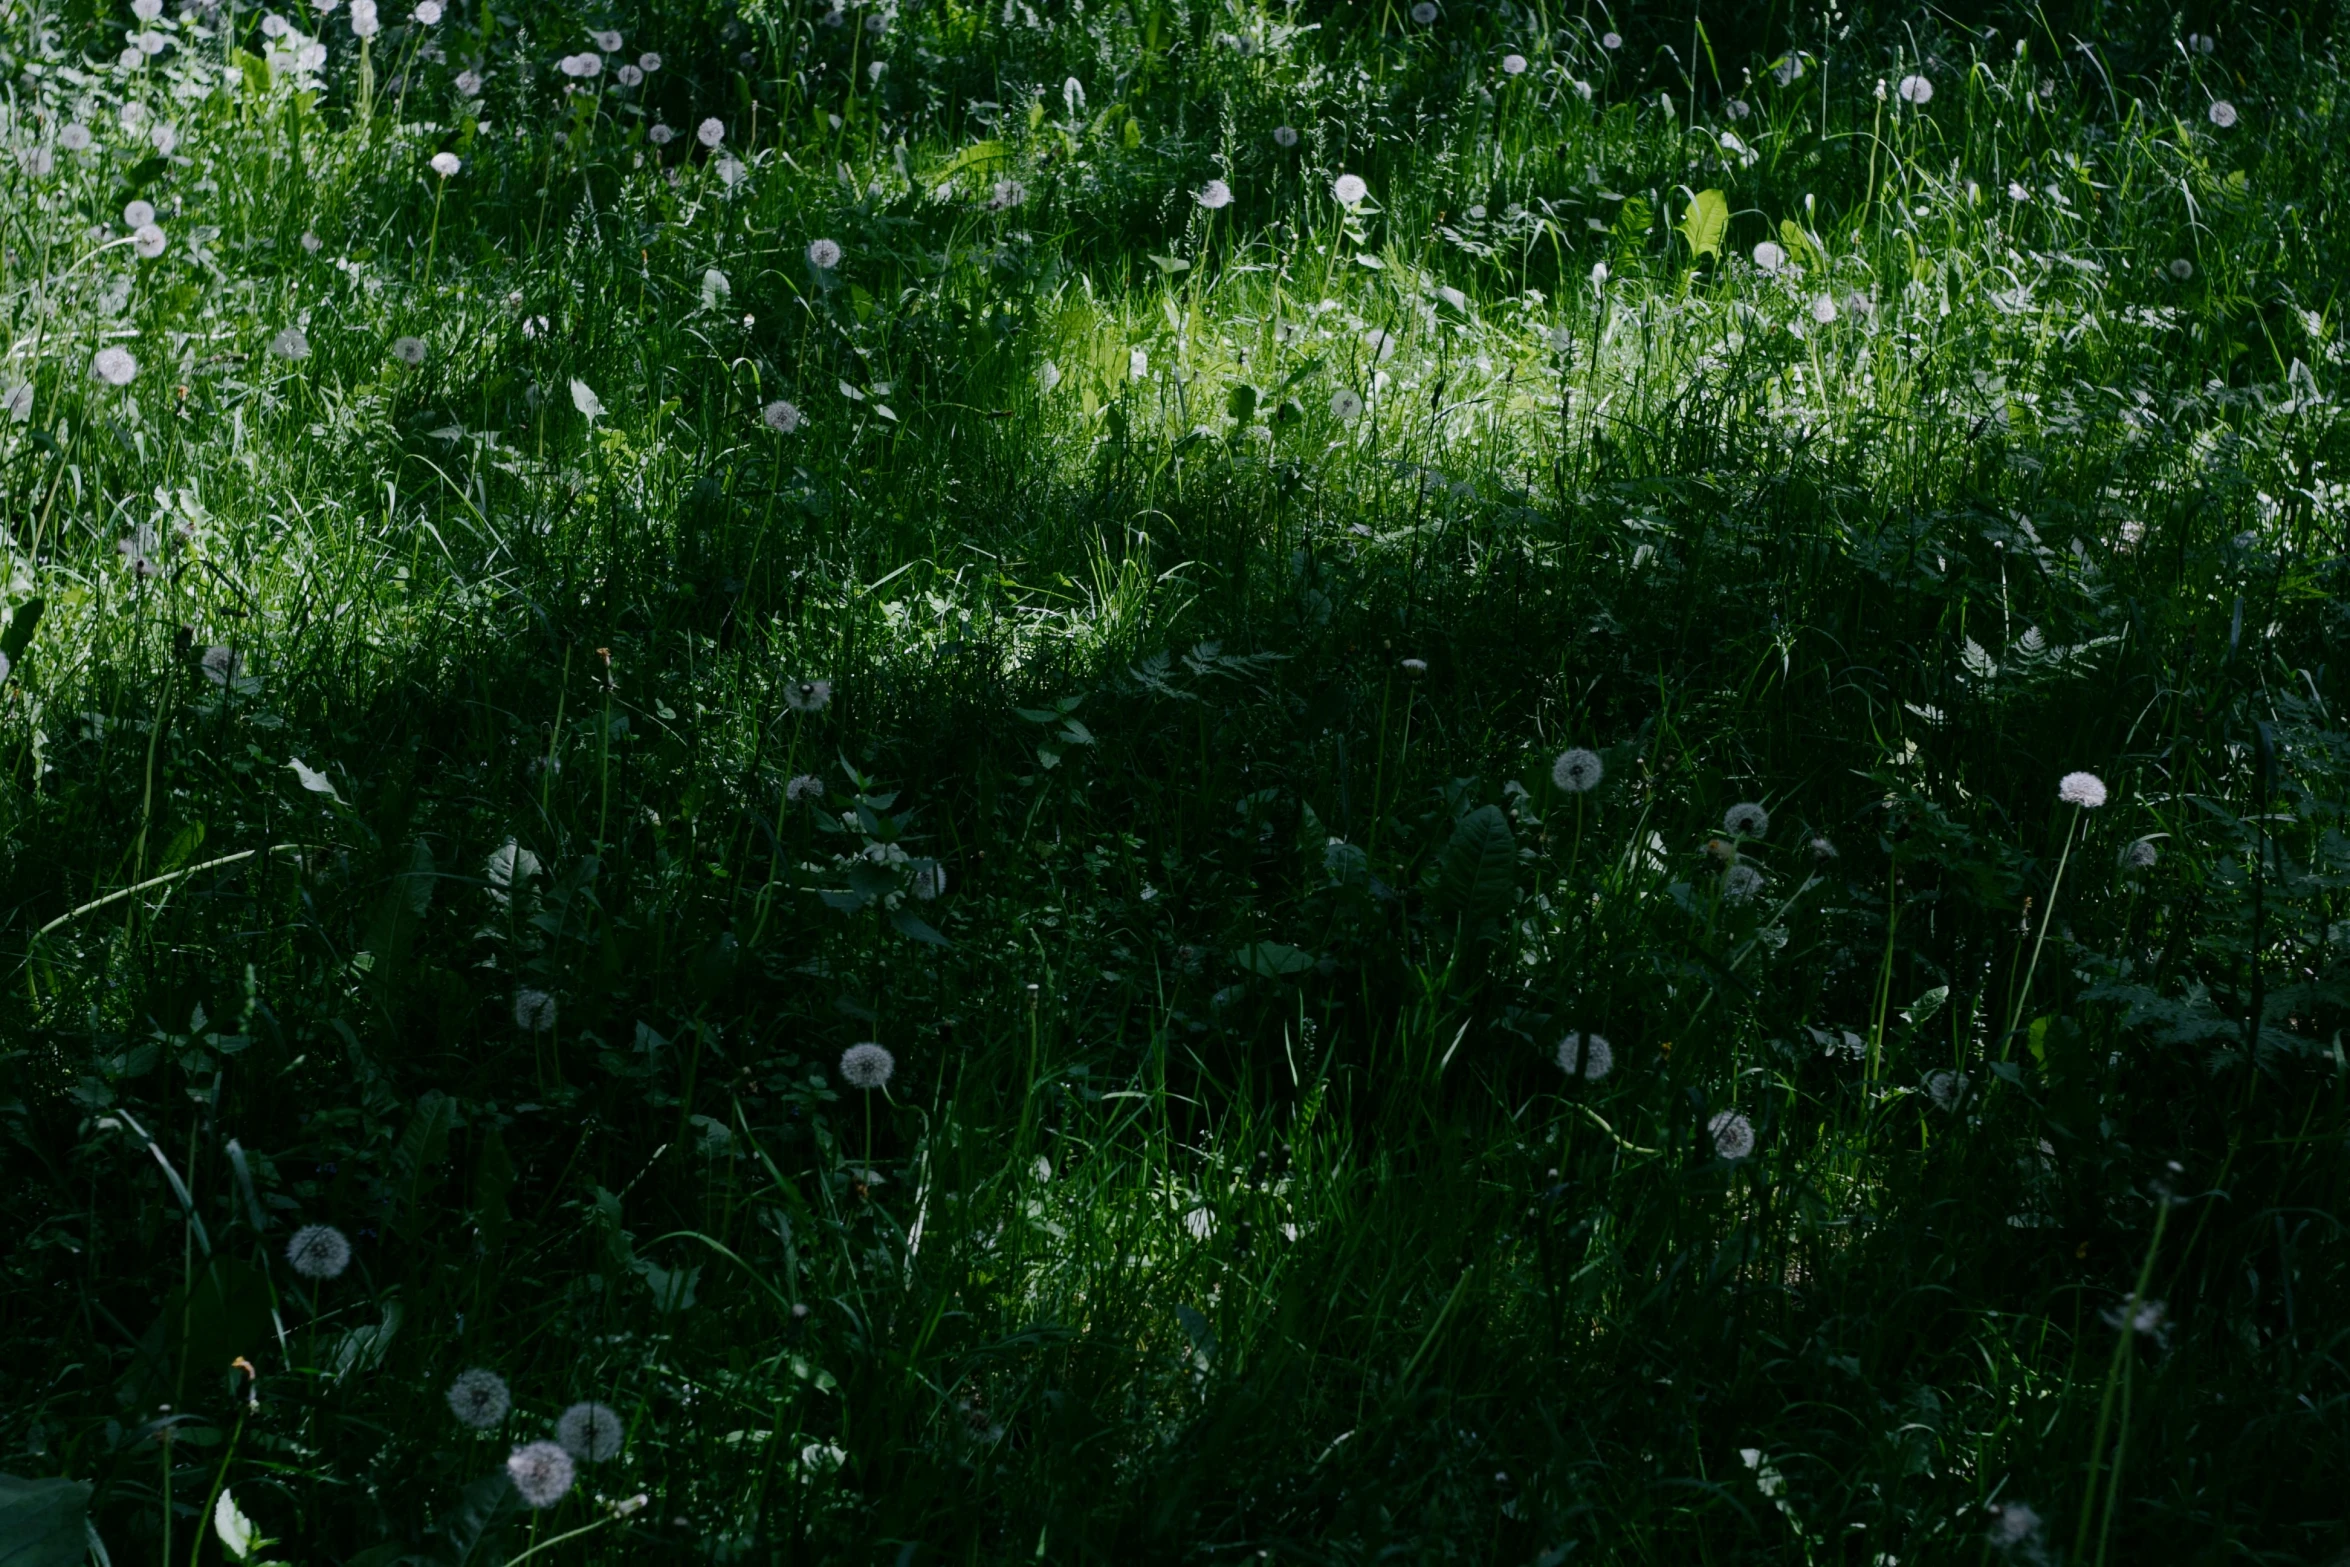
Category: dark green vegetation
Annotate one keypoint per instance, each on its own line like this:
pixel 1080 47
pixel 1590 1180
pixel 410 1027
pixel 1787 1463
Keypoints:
pixel 403 713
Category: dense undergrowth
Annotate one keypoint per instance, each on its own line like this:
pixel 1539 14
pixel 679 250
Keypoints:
pixel 1074 543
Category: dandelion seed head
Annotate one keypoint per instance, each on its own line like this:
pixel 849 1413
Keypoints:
pixel 1747 819
pixel 1215 195
pixel 1738 108
pixel 542 1473
pixel 75 137
pixel 146 10
pixel 607 41
pixel 1284 136
pixel 1346 405
pixel 319 1251
pixel 1348 190
pixel 2140 854
pixel 780 416
pixel 479 1399
pixel 660 135
pixel 1588 1056
pixel 1945 1087
pixel 648 62
pixel 2182 269
pixel 1823 849
pixel 1424 13
pixel 1006 195
pixel 807 786
pixel 428 13
pixel 1823 309
pixel 445 164
pixel 290 344
pixel 867 1065
pixel 2085 790
pixel 590 1432
pixel 2223 114
pixel 1770 255
pixel 1611 42
pixel 1740 883
pixel 2013 1524
pixel 710 132
pixel 1732 1133
pixel 221 665
pixel 138 214
pixel 408 350
pixel 808 696
pixel 149 241
pixel 1915 90
pixel 114 366
pixel 534 1011
pixel 1577 770
pixel 824 254
pixel 1513 65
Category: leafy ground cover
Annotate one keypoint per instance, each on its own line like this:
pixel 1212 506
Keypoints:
pixel 1172 782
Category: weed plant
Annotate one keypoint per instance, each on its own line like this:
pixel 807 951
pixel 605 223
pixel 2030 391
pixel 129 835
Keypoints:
pixel 1172 782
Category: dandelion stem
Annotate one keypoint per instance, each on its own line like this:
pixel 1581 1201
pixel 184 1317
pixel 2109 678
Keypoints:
pixel 2023 993
pixel 2113 1375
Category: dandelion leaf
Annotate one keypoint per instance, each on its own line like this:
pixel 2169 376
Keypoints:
pixel 1272 959
pixel 918 929
pixel 1706 224
pixel 42 1522
pixel 1476 871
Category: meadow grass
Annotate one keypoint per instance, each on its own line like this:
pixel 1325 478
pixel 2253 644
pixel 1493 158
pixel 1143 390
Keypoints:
pixel 1075 545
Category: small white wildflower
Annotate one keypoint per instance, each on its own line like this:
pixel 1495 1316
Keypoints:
pixel 2085 790
pixel 534 1011
pixel 824 254
pixel 1586 1055
pixel 542 1473
pixel 1215 195
pixel 445 164
pixel 292 343
pixel 808 696
pixel 479 1399
pixel 867 1065
pixel 1732 1133
pixel 1915 90
pixel 2223 113
pixel 1346 405
pixel 114 366
pixel 710 132
pixel 1770 255
pixel 319 1251
pixel 590 1431
pixel 780 416
pixel 1747 819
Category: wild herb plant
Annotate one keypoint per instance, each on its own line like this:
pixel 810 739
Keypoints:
pixel 1171 782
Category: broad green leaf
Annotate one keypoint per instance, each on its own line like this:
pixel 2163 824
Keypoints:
pixel 1272 959
pixel 1706 223
pixel 1477 870
pixel 41 1522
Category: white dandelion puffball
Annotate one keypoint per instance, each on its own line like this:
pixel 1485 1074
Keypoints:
pixel 221 665
pixel 2202 43
pixel 1611 42
pixel 146 10
pixel 292 343
pixel 807 786
pixel 1732 1133
pixel 138 214
pixel 1348 190
pixel 1770 255
pixel 608 42
pixel 312 243
pixel 1005 195
pixel 2223 113
pixel 2182 269
pixel 629 75
pixel 648 62
pixel 310 57
pixel 1513 65
pixel 542 1473
pixel 1945 1088
pixel 1738 108
pixel 824 254
pixel 149 42
pixel 1577 771
pixel 534 1011
pixel 2085 790
pixel 165 139
pixel 710 132
pixel 75 137
pixel 1284 135
pixel 1823 849
pixel 780 416
pixel 148 241
pixel 1823 310
pixel 364 22
pixel 114 366
pixel 2014 1524
pixel 1587 1056
pixel 479 1399
pixel 930 879
pixel 1740 883
pixel 1346 405
pixel 590 1432
pixel 867 1065
pixel 1915 89
pixel 1215 195
pixel 428 14
pixel 1424 13
pixel 581 66
pixel 1747 819
pixel 39 162
pixel 469 84
pixel 408 350
pixel 19 406
pixel 2140 854
pixel 1598 274
pixel 660 135
pixel 808 696
pixel 319 1251
pixel 445 164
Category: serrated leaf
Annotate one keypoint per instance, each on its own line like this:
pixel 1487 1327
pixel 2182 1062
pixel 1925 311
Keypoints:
pixel 1477 870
